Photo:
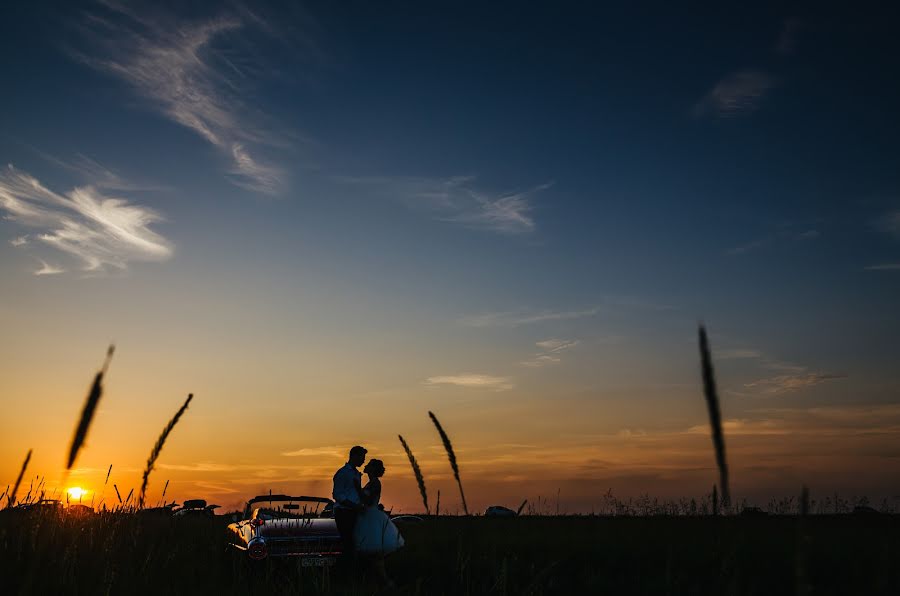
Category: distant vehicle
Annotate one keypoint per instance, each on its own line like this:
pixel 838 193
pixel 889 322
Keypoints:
pixel 286 526
pixel 79 509
pixel 42 505
pixel 196 507
pixel 499 511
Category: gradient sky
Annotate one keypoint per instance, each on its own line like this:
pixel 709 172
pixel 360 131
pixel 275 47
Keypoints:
pixel 326 220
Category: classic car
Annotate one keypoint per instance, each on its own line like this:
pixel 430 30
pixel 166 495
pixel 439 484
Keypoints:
pixel 286 526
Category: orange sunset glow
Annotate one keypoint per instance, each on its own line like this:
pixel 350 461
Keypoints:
pixel 246 434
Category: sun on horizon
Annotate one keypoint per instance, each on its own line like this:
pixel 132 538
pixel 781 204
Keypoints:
pixel 76 493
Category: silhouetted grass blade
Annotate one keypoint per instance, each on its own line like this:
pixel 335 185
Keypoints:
pixel 418 472
pixel 87 413
pixel 11 497
pixel 715 416
pixel 448 447
pixel 157 448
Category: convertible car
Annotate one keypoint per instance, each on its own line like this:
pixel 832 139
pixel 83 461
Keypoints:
pixel 285 526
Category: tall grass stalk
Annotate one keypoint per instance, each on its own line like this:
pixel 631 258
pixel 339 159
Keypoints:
pixel 418 472
pixel 448 447
pixel 11 497
pixel 521 507
pixel 87 413
pixel 157 448
pixel 118 494
pixel 715 415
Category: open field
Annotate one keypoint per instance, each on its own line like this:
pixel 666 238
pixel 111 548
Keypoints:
pixel 117 553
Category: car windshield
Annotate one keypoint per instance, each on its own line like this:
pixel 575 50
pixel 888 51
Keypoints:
pixel 285 510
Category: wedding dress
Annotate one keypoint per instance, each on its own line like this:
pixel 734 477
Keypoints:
pixel 375 532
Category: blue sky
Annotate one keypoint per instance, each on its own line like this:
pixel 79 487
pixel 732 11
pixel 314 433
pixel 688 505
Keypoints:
pixel 487 196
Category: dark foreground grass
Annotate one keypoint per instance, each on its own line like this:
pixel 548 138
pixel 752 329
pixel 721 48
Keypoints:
pixel 144 554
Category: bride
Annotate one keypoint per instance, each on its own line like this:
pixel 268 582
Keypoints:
pixel 375 532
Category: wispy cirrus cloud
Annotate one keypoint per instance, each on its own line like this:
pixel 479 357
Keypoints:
pixel 177 69
pixel 750 246
pixel 551 352
pixel 524 316
pixel 739 426
pixel 789 383
pixel 472 381
pixel 883 267
pixel 459 200
pixel 518 318
pixel 331 451
pixel 737 94
pixel 199 467
pixel 48 269
pixel 777 377
pixel 783 234
pixel 19 240
pixel 100 230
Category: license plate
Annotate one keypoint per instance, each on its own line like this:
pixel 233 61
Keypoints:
pixel 318 562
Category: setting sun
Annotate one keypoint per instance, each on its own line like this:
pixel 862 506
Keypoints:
pixel 76 493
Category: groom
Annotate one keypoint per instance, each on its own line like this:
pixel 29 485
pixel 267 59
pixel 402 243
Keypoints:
pixel 347 496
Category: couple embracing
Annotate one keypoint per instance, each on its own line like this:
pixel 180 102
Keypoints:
pixel 361 521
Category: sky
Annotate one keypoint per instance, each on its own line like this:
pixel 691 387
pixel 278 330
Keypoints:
pixel 327 219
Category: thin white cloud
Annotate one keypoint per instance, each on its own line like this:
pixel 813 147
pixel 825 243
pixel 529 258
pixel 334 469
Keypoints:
pixel 738 354
pixel 216 489
pixel 540 360
pixel 784 234
pixel 175 67
pixel 557 345
pixel 333 451
pixel 737 94
pixel 472 381
pixel 457 200
pixel 551 349
pixel 19 240
pixel 518 318
pixel 97 175
pixel 749 246
pixel 199 467
pixel 782 384
pixel 100 230
pixel 736 426
pixel 884 267
pixel 47 269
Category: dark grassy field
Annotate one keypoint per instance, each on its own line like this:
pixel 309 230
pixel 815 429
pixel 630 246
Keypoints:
pixel 129 554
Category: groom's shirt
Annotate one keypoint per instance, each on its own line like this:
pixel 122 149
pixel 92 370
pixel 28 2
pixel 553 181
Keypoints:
pixel 346 483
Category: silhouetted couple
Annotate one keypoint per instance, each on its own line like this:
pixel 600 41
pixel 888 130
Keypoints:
pixel 362 523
